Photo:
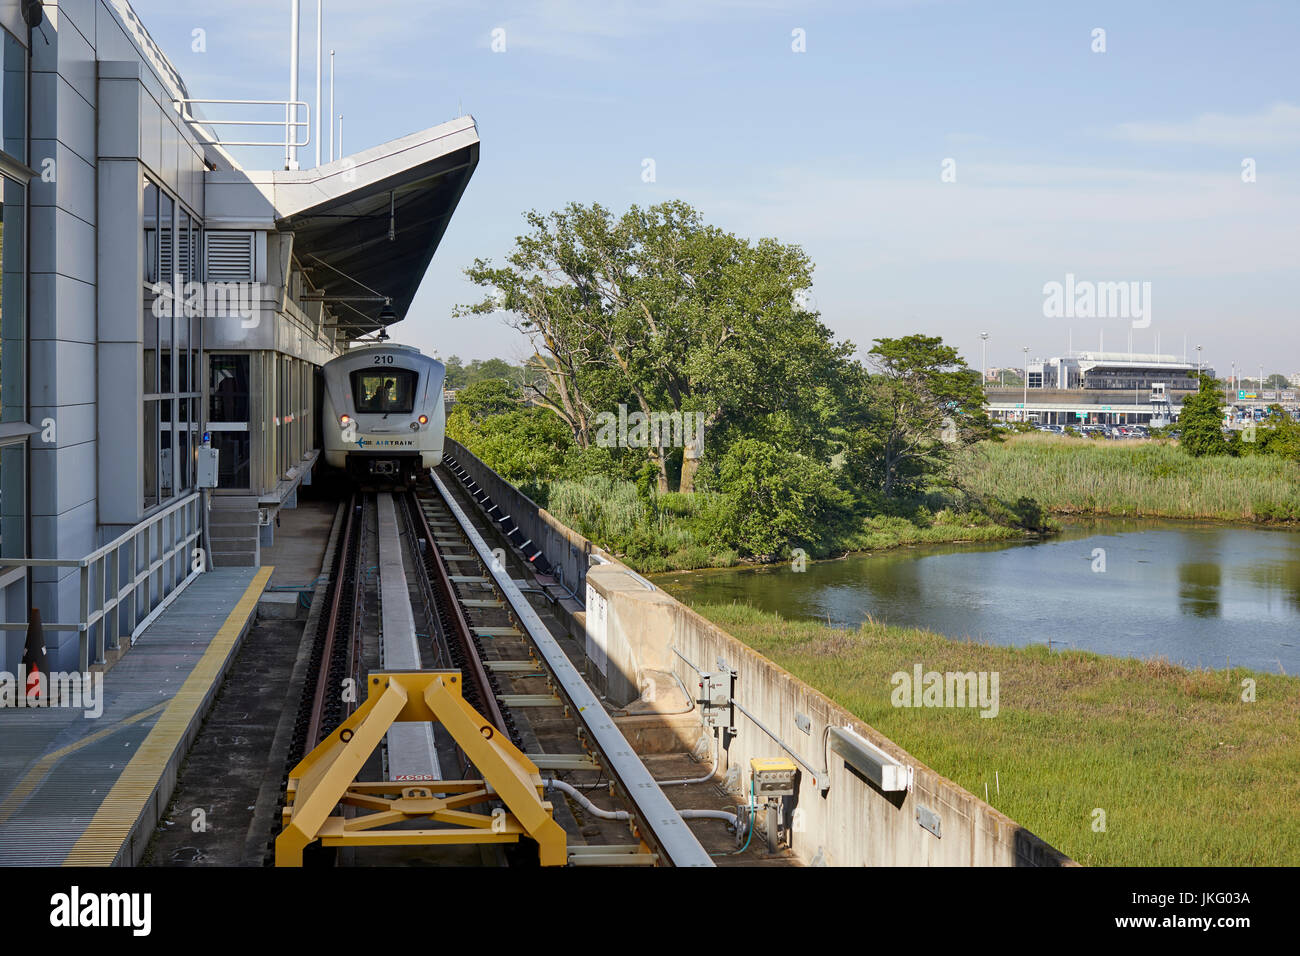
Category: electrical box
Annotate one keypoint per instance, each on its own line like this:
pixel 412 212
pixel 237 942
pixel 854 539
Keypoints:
pixel 207 466
pixel 716 692
pixel 773 776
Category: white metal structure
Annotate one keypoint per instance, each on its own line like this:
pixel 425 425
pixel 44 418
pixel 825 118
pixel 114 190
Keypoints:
pixel 297 121
pixel 383 412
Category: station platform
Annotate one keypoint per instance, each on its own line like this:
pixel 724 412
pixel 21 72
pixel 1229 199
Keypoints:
pixel 84 790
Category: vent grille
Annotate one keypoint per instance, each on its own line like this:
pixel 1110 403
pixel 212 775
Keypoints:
pixel 229 256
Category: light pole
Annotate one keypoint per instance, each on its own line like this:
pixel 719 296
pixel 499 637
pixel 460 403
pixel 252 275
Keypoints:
pixel 320 68
pixel 290 110
pixel 1198 360
pixel 1025 371
pixel 331 106
pixel 984 357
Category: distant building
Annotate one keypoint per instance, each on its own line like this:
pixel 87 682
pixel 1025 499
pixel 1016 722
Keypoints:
pixel 1098 388
pixel 1294 380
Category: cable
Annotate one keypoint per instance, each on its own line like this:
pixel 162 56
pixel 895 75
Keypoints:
pixel 752 814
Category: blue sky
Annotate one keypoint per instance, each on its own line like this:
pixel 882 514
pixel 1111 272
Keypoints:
pixel 1117 166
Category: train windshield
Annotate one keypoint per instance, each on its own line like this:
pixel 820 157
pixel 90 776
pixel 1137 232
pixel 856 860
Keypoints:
pixel 380 392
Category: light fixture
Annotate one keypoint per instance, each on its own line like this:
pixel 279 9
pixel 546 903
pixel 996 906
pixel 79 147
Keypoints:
pixel 344 419
pixel 387 314
pixel 869 760
pixel 424 419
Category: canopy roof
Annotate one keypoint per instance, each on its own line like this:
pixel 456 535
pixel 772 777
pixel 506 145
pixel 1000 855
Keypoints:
pixel 340 216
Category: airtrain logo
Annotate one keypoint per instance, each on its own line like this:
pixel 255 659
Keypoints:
pixel 385 442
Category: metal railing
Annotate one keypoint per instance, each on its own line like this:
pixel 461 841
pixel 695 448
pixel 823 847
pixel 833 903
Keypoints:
pixel 291 123
pixel 154 557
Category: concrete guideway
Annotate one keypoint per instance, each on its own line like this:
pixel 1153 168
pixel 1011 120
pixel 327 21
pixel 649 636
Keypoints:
pixel 839 813
pixel 412 754
pixel 660 821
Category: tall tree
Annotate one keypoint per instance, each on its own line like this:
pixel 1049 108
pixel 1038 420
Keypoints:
pixel 918 406
pixel 674 316
pixel 1201 419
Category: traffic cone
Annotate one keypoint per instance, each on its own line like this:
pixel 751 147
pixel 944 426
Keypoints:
pixel 35 659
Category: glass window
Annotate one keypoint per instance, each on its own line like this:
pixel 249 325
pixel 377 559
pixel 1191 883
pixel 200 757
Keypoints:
pixel 13 302
pixel 186 454
pixel 166 463
pixel 150 214
pixel 172 346
pixel 196 259
pixel 166 238
pixel 382 392
pixel 232 459
pixel 149 454
pixel 229 403
pixel 228 389
pixel 183 247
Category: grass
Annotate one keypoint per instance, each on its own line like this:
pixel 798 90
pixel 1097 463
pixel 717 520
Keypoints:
pixel 1138 478
pixel 1187 773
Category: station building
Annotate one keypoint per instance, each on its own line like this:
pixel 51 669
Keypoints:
pixel 1090 388
pixel 159 299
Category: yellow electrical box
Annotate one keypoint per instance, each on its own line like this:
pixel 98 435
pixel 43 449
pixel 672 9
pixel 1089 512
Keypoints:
pixel 773 776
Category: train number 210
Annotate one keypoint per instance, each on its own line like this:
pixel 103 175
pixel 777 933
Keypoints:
pixel 383 360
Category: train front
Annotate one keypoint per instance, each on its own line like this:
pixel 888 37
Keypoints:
pixel 384 413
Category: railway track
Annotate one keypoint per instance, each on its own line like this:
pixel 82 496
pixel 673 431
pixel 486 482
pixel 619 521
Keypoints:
pixel 478 622
pixel 335 654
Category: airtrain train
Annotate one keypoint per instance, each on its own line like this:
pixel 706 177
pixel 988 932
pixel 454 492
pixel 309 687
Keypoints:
pixel 383 412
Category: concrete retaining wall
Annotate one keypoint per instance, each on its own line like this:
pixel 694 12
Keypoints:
pixel 636 632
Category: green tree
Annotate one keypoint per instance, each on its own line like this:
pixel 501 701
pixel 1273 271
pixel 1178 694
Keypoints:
pixel 456 377
pixel 772 499
pixel 485 399
pixel 481 370
pixel 915 411
pixel 658 310
pixel 526 446
pixel 1201 419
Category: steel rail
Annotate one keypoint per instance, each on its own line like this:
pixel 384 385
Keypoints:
pixel 658 821
pixel 345 561
pixel 463 633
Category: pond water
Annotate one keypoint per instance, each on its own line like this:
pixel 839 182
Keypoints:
pixel 1199 594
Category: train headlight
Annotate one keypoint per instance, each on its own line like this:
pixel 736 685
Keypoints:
pixel 344 419
pixel 415 426
pixel 424 419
